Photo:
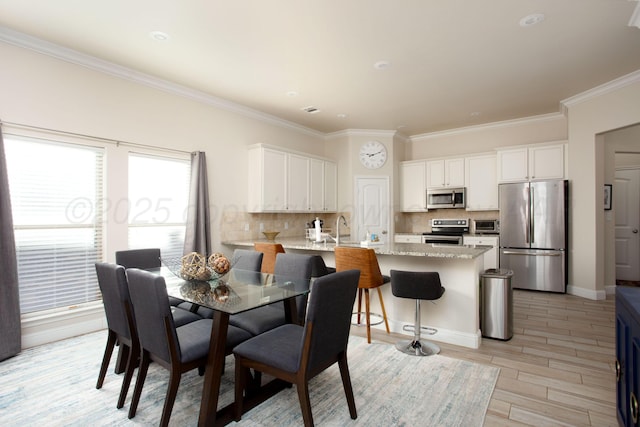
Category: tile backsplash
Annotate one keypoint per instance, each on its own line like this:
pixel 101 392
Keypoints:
pixel 247 226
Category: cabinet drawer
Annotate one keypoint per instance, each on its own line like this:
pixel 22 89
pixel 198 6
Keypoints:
pixel 407 238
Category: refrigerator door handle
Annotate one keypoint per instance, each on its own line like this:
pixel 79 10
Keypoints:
pixel 532 253
pixel 532 222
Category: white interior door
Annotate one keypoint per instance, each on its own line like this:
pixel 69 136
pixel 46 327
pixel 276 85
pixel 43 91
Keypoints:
pixel 372 208
pixel 626 199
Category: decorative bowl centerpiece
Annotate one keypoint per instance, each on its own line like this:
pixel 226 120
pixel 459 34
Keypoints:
pixel 270 235
pixel 197 267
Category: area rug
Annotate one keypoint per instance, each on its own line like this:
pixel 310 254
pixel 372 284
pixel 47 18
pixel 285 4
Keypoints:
pixel 54 385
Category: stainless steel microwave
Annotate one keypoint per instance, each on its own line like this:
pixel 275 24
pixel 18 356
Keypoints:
pixel 441 198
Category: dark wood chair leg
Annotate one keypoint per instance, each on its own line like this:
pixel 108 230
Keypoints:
pixel 346 383
pixel 108 351
pixel 137 391
pixel 172 391
pixel 123 356
pixel 132 361
pixel 305 403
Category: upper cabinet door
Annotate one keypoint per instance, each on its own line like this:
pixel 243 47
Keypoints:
pixel 532 163
pixel 273 184
pixel 546 162
pixel 330 187
pixel 413 194
pixel 445 173
pixel 513 165
pixel 481 183
pixel 316 185
pixel 297 183
pixel 454 172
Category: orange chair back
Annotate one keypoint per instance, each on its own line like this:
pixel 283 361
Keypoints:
pixel 363 259
pixel 270 251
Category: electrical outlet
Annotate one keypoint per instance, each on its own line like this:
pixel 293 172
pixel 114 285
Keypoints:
pixel 262 226
pixel 286 225
pixel 246 226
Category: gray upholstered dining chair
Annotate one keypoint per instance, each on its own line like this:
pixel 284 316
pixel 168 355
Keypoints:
pixel 289 265
pixel 296 353
pixel 143 259
pixel 177 349
pixel 121 327
pixel 245 259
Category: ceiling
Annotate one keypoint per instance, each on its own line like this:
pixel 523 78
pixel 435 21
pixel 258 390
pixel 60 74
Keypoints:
pixel 449 64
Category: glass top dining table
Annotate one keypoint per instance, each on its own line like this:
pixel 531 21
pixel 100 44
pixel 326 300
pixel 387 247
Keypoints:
pixel 234 292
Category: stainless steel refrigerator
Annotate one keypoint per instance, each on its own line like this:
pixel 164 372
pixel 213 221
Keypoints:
pixel 533 234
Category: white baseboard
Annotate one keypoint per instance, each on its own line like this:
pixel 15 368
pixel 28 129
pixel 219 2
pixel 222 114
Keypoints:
pixel 54 325
pixel 587 293
pixel 443 335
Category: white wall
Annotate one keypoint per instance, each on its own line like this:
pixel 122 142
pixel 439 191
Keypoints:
pixel 588 121
pixel 43 91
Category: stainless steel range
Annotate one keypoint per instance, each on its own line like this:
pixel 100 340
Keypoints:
pixel 446 231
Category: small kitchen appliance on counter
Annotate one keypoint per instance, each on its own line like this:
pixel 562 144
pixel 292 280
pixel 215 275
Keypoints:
pixel 446 231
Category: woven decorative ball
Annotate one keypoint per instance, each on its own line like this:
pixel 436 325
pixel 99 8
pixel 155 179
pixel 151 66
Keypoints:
pixel 220 264
pixel 194 266
pixel 213 256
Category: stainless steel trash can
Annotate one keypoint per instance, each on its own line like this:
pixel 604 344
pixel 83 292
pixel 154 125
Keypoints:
pixel 496 304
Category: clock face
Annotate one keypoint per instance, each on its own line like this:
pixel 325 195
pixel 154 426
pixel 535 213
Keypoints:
pixel 373 154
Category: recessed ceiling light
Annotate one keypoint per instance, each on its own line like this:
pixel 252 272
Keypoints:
pixel 342 116
pixel 530 20
pixel 381 65
pixel 292 93
pixel 475 114
pixel 159 36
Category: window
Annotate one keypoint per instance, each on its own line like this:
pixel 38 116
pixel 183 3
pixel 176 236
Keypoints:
pixel 56 199
pixel 158 200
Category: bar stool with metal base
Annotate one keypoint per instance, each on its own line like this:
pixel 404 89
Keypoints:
pixel 418 285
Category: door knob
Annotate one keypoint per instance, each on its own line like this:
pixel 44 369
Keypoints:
pixel 634 231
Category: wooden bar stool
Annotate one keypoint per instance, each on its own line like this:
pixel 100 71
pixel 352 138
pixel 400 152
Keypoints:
pixel 365 260
pixel 270 251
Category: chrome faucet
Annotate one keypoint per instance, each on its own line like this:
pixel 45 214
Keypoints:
pixel 344 222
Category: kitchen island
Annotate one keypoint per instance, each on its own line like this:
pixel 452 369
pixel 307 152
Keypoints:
pixel 455 315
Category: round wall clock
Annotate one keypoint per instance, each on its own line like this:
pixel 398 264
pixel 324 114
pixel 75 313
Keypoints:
pixel 373 154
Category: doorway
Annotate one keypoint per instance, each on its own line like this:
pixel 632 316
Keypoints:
pixel 372 208
pixel 626 197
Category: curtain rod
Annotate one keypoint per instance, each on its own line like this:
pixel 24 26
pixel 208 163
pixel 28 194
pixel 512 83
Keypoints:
pixel 95 138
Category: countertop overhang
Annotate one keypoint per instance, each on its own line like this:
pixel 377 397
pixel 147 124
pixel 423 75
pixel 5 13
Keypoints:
pixel 402 249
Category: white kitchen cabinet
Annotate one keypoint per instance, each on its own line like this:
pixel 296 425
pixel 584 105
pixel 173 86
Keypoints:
pixel 491 259
pixel 330 189
pixel 323 186
pixel 407 238
pixel 413 194
pixel 282 181
pixel 445 173
pixel 267 180
pixel 532 163
pixel 298 169
pixel 481 182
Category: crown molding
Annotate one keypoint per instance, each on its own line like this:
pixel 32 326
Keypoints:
pixel 370 133
pixel 603 89
pixel 69 55
pixel 488 126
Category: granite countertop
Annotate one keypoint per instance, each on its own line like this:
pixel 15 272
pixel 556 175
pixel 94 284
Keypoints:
pixel 402 249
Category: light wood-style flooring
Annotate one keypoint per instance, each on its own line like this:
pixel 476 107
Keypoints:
pixel 557 370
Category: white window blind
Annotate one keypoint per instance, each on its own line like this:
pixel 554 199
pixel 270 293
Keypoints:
pixel 158 199
pixel 56 198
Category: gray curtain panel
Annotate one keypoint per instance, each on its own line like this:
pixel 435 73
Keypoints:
pixel 198 233
pixel 10 337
